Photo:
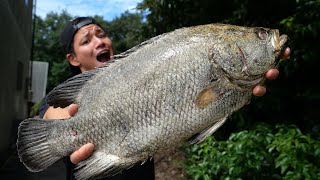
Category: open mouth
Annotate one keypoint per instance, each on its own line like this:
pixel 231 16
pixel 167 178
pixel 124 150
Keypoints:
pixel 103 56
pixel 278 41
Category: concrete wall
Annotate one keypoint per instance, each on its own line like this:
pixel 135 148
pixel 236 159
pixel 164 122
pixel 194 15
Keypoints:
pixel 15 49
pixel 39 80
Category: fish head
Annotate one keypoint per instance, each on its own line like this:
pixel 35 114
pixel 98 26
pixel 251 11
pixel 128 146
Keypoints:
pixel 245 54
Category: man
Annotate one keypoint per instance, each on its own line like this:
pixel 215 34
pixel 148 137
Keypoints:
pixel 87 46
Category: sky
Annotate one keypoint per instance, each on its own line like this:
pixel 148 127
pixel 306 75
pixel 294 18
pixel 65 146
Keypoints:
pixel 108 9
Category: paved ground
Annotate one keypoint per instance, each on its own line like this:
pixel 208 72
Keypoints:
pixel 13 169
pixel 166 169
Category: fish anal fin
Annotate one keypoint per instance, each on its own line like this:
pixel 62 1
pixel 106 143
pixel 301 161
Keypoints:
pixel 101 165
pixel 207 132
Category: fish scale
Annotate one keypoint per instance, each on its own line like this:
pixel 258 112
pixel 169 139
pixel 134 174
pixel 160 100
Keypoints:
pixel 177 87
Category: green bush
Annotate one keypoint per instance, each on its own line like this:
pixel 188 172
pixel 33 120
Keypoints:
pixel 35 109
pixel 285 153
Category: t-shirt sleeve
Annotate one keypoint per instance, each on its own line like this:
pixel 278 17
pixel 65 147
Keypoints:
pixel 43 107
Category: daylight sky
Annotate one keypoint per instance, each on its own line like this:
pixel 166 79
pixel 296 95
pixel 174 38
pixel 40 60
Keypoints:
pixel 108 9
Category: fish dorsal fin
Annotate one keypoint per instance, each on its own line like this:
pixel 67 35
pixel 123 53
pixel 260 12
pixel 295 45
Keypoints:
pixel 66 93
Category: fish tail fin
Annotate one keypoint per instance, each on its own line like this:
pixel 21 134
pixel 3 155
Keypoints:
pixel 101 165
pixel 33 147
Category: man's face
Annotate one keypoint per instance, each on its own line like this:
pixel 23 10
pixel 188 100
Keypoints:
pixel 92 47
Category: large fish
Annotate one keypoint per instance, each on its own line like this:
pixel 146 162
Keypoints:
pixel 156 95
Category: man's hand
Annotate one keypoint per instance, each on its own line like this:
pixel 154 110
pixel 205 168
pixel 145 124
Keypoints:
pixel 63 113
pixel 56 113
pixel 271 75
pixel 86 150
pixel 81 154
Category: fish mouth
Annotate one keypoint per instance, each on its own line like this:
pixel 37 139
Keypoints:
pixel 278 41
pixel 279 45
pixel 103 56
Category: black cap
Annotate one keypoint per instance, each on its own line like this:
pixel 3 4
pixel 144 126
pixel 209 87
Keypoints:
pixel 70 29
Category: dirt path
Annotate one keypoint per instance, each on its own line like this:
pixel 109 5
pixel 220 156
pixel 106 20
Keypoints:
pixel 167 165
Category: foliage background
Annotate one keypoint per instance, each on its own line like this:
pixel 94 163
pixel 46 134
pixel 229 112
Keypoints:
pixel 267 130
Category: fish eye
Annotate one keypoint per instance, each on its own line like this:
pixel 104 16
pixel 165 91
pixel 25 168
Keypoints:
pixel 262 34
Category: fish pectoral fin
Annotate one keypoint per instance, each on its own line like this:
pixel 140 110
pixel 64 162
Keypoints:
pixel 66 93
pixel 101 165
pixel 207 132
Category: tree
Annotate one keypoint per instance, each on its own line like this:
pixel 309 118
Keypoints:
pixel 126 31
pixel 167 15
pixel 47 46
pixel 285 101
pixel 293 98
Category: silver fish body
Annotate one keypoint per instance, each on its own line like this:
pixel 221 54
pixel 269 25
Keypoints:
pixel 156 95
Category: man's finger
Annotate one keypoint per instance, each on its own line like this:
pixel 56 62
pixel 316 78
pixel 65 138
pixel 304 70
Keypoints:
pixel 82 154
pixel 72 109
pixel 286 52
pixel 272 74
pixel 259 91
